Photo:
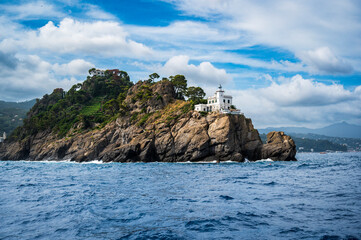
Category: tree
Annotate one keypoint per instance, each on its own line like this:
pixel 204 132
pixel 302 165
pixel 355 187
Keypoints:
pixel 196 94
pixel 153 76
pixel 90 70
pixel 111 107
pixel 180 85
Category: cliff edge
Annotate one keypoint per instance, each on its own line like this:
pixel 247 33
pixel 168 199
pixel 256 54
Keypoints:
pixel 152 125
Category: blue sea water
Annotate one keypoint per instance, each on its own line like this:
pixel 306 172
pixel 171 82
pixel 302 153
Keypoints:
pixel 318 197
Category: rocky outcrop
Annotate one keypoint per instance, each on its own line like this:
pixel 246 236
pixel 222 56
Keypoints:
pixel 156 127
pixel 279 146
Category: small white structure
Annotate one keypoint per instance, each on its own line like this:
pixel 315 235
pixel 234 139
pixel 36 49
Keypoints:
pixel 3 137
pixel 218 103
pixel 97 72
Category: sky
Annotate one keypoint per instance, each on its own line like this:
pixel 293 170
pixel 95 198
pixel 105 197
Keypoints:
pixel 285 62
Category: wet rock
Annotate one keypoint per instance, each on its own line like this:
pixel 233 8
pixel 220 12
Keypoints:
pixel 279 147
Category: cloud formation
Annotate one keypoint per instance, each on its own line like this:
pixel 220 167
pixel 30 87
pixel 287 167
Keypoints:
pixel 297 26
pixel 98 38
pixel 34 77
pixel 75 67
pixel 294 100
pixel 204 73
pixel 324 60
pixel 8 60
pixel 95 12
pixel 32 10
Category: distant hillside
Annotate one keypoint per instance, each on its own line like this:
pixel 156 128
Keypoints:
pixel 12 114
pixel 316 145
pixel 343 130
pixel 352 144
pixel 17 105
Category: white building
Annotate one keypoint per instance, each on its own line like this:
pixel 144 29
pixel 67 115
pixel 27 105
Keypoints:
pixel 218 103
pixel 97 72
pixel 3 137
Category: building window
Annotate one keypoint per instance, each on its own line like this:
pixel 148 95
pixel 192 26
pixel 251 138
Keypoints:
pixel 224 100
pixel 229 101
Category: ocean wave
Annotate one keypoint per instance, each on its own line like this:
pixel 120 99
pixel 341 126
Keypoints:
pixel 265 160
pixel 145 200
pixel 214 161
pixel 63 161
pixel 200 162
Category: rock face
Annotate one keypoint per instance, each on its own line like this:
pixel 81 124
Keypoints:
pixel 157 128
pixel 279 147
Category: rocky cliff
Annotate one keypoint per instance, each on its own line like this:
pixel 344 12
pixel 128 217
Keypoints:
pixel 156 127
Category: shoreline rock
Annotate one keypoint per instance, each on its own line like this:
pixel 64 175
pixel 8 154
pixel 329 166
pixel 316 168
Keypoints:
pixel 279 147
pixel 192 138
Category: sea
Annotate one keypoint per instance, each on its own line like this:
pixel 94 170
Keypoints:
pixel 317 197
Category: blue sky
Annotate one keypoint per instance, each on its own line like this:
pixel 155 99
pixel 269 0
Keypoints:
pixel 286 63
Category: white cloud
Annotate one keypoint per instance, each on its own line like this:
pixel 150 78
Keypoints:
pixel 32 10
pixel 75 67
pixel 324 60
pixel 95 12
pixel 8 60
pixel 298 26
pixel 204 73
pixel 226 57
pixel 98 38
pixel 289 101
pixel 33 77
pixel 184 33
pixel 298 91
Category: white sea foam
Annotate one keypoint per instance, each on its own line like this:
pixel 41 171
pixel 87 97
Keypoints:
pixel 47 161
pixel 265 160
pixel 94 162
pixel 65 161
pixel 203 162
pixel 214 161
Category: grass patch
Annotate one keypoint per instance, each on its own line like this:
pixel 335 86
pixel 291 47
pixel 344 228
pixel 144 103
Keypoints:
pixel 203 113
pixel 92 108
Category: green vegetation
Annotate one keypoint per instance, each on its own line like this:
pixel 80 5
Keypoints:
pixel 101 99
pixel 352 144
pixel 173 112
pixel 195 94
pixel 96 101
pixel 144 119
pixel 180 85
pixel 92 107
pixel 152 77
pixel 12 114
pixel 203 113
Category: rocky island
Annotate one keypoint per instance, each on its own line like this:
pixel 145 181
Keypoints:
pixel 109 118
